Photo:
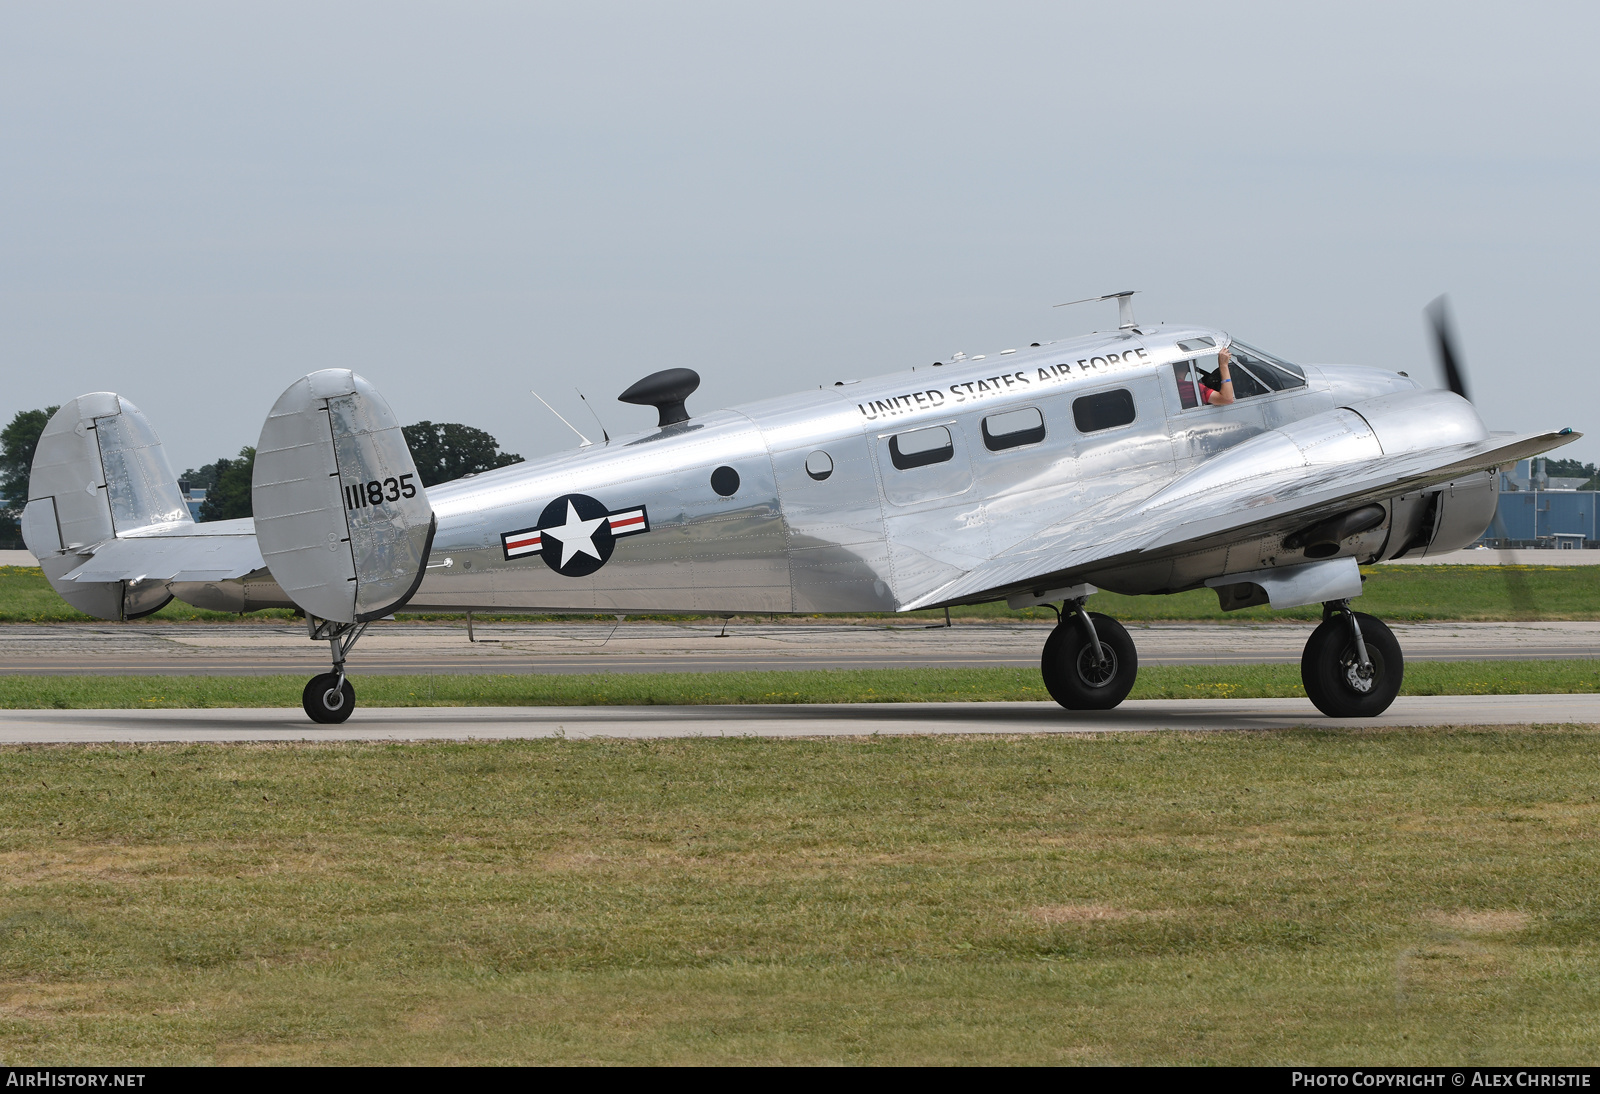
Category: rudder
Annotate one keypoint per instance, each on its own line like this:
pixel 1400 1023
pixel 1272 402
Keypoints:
pixel 342 519
pixel 99 472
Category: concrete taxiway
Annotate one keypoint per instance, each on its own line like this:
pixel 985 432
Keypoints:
pixel 831 720
pixel 403 647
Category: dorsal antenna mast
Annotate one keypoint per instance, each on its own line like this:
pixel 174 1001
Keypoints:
pixel 1124 301
pixel 596 414
pixel 586 441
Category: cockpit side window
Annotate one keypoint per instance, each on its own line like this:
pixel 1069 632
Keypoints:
pixel 1198 377
pixel 1190 393
pixel 1244 383
pixel 1267 376
pixel 1275 371
pixel 1254 372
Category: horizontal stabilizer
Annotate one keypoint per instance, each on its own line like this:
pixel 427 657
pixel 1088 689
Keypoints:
pixel 219 551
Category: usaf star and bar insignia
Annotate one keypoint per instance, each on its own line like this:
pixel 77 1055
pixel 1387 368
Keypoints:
pixel 575 534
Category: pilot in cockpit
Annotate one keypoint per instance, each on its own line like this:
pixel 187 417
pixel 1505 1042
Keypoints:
pixel 1218 385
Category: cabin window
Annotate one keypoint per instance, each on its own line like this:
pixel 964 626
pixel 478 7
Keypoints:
pixel 819 465
pixel 1013 429
pixel 920 447
pixel 1103 410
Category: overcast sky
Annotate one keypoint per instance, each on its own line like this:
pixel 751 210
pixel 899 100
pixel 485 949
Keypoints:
pixel 202 202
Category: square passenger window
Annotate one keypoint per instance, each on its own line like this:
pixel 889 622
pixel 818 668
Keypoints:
pixel 1013 429
pixel 1104 410
pixel 920 447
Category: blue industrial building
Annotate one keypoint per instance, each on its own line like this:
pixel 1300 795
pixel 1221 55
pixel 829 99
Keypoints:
pixel 1536 510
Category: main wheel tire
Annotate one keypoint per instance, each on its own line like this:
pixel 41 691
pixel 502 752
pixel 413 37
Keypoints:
pixel 1071 674
pixel 1330 668
pixel 327 701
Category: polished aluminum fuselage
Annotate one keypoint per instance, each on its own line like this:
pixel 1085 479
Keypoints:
pixel 871 536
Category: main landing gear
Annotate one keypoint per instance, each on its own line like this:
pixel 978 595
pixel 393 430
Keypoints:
pixel 1089 662
pixel 328 697
pixel 1352 665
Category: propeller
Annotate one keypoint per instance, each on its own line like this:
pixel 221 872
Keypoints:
pixel 1523 605
pixel 1444 346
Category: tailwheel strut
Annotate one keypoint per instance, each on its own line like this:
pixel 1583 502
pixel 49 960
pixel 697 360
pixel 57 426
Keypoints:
pixel 328 698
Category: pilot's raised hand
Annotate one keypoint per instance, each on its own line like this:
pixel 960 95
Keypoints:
pixel 1224 393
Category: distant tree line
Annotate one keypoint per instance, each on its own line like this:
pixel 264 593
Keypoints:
pixel 18 441
pixel 446 451
pixel 226 483
pixel 1573 469
pixel 443 451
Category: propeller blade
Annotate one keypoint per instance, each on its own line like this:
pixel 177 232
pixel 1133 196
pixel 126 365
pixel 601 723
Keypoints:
pixel 1444 347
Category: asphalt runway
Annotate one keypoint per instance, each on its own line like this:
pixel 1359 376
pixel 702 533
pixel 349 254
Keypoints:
pixel 831 720
pixel 260 649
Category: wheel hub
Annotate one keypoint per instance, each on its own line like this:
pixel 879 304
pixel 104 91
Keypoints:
pixel 1358 677
pixel 1097 673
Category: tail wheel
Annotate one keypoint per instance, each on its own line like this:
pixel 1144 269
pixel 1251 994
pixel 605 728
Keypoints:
pixel 1075 677
pixel 327 699
pixel 1331 668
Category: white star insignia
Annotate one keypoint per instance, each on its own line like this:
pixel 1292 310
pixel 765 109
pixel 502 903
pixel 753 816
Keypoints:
pixel 576 536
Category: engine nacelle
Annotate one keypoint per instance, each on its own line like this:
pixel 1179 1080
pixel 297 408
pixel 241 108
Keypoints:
pixel 1442 518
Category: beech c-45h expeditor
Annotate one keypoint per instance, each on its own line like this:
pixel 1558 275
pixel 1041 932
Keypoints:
pixel 1034 476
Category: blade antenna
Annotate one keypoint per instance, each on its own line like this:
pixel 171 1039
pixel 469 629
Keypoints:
pixel 1444 346
pixel 596 414
pixel 586 441
pixel 1124 299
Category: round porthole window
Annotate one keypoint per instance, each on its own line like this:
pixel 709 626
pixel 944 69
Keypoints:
pixel 725 481
pixel 819 465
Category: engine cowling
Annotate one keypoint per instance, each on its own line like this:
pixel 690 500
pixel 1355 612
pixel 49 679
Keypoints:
pixel 1442 518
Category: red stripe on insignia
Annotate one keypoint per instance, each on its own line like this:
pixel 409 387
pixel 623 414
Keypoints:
pixel 524 541
pixel 623 522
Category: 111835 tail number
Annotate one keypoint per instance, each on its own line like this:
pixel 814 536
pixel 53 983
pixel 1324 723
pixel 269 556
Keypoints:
pixel 362 495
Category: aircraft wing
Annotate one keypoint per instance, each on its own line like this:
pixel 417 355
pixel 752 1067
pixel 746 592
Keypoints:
pixel 216 551
pixel 1201 510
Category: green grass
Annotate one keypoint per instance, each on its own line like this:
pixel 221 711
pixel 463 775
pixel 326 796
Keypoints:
pixel 1262 898
pixel 819 686
pixel 26 597
pixel 1400 593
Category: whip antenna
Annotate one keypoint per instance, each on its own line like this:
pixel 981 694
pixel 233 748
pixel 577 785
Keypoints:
pixel 596 414
pixel 586 441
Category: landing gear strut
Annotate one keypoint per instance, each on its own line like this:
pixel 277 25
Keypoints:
pixel 1089 662
pixel 328 698
pixel 1352 665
